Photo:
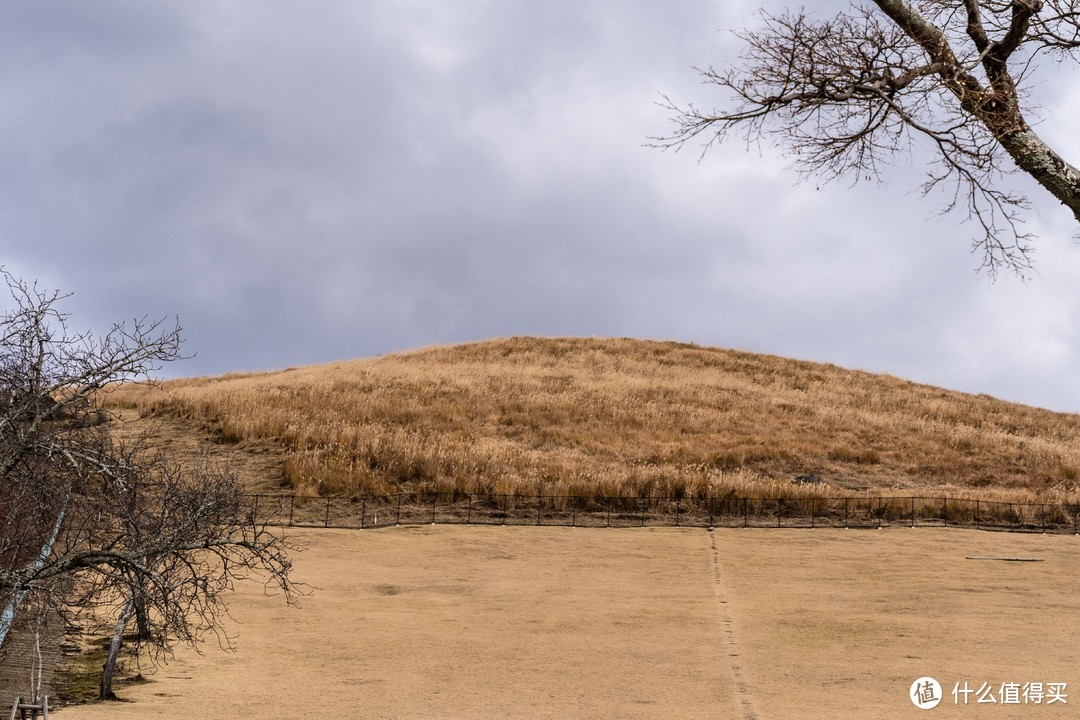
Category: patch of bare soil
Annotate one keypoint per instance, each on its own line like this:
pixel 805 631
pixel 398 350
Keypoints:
pixel 259 464
pixel 525 622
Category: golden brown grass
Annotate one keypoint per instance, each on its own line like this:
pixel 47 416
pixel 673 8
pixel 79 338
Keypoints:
pixel 527 622
pixel 625 417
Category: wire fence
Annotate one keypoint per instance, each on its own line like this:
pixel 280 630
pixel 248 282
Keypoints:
pixel 17 658
pixel 428 508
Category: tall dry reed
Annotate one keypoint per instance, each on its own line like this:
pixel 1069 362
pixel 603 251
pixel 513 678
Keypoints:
pixel 625 417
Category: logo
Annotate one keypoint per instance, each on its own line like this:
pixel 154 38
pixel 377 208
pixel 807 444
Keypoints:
pixel 925 693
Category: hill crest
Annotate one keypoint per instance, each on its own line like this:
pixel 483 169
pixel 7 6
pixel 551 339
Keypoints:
pixel 623 416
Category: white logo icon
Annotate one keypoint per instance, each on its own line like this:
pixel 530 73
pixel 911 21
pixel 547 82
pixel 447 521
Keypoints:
pixel 925 693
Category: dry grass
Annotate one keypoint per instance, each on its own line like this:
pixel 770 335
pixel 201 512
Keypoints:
pixel 527 622
pixel 625 417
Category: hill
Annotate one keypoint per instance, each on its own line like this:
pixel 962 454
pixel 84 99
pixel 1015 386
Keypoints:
pixel 609 417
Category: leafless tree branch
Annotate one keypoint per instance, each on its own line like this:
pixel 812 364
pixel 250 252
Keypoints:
pixel 90 523
pixel 851 94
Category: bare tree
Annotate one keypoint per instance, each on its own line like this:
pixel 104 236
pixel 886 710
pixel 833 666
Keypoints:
pixel 54 449
pixel 169 544
pixel 90 523
pixel 849 94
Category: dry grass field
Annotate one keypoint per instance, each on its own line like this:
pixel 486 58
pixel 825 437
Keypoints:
pixel 622 417
pixel 496 622
pixel 532 622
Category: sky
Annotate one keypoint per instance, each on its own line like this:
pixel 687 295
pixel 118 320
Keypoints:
pixel 303 182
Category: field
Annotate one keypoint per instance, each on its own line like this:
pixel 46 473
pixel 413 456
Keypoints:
pixel 525 622
pixel 621 417
pixel 485 621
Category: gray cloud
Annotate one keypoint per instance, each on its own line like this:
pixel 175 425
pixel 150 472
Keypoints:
pixel 304 183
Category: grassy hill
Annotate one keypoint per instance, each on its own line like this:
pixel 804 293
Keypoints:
pixel 608 417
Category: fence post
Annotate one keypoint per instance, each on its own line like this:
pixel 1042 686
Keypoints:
pixel 745 514
pixel 573 512
pixel 292 505
pixel 326 518
pixel 363 510
pixel 945 511
pixel 609 512
pixel 978 524
pixel 468 517
pixel 777 512
pixel 506 507
pixel 812 503
pixel 398 522
pixel 676 512
pixel 255 509
pixel 434 499
pixel 846 501
pixel 879 513
pixel 710 511
pixel 643 512
pixel 539 499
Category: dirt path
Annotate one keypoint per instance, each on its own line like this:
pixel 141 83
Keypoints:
pixel 742 688
pixel 258 465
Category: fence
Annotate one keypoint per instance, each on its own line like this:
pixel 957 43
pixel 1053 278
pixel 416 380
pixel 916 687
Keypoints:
pixel 422 508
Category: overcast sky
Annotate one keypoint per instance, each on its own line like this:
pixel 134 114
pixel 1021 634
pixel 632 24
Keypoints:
pixel 308 181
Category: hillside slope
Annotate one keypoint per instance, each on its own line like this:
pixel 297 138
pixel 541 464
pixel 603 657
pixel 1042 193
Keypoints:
pixel 584 416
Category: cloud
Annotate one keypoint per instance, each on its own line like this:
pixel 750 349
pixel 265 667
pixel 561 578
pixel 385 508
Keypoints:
pixel 303 183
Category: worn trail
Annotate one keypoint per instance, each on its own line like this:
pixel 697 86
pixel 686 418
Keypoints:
pixel 742 688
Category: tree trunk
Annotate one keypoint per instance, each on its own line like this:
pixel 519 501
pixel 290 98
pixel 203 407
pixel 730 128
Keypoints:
pixel 1037 159
pixel 996 107
pixel 109 668
pixel 142 617
pixel 7 616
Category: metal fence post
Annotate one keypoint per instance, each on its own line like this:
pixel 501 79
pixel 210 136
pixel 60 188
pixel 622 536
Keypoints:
pixel 255 509
pixel 1021 516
